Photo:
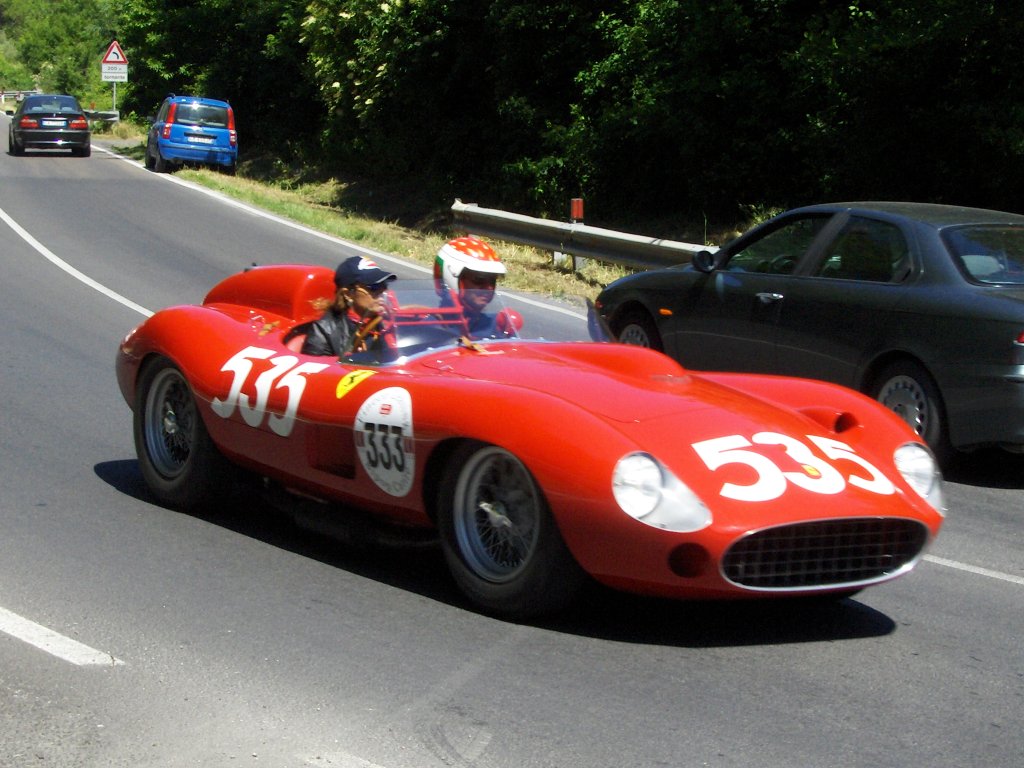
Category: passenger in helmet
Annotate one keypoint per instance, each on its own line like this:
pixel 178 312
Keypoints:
pixel 466 272
pixel 352 322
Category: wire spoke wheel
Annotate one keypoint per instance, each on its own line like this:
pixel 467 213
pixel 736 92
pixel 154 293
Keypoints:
pixel 496 515
pixel 499 538
pixel 169 423
pixel 179 461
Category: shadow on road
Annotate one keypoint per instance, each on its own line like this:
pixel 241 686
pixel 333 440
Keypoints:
pixel 600 613
pixel 988 468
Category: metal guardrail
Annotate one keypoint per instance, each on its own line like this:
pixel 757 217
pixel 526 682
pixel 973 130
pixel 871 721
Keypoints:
pixel 575 239
pixel 110 116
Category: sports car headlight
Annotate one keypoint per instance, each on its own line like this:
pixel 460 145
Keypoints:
pixel 650 493
pixel 919 468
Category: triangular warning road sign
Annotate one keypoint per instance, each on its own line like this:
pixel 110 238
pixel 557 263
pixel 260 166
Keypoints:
pixel 115 55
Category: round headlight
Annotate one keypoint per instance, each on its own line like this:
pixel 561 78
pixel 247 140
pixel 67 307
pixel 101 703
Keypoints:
pixel 636 484
pixel 918 467
pixel 649 492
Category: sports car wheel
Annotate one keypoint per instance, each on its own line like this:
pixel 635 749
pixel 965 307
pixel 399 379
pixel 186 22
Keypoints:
pixel 905 388
pixel 637 328
pixel 499 538
pixel 179 461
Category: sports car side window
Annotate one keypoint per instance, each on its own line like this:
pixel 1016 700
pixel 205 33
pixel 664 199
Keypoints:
pixel 779 251
pixel 866 250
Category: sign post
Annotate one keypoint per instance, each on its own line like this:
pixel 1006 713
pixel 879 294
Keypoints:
pixel 115 68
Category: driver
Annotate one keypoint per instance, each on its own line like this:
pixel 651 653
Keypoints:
pixel 466 271
pixel 352 322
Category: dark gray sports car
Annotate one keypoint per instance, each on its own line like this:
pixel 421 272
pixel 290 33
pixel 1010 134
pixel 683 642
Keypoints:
pixel 920 306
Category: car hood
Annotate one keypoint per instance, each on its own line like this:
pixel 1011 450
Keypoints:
pixel 619 383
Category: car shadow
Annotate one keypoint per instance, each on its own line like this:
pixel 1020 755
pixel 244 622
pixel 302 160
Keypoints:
pixel 987 468
pixel 418 567
pixel 609 615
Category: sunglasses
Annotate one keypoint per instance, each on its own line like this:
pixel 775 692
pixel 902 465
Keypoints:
pixel 373 290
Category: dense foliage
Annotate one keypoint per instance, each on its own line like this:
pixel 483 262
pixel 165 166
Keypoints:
pixel 670 107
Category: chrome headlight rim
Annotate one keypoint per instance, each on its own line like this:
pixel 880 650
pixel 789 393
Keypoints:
pixel 646 490
pixel 918 467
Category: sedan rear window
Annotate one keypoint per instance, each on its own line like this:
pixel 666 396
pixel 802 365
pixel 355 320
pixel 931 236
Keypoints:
pixel 989 254
pixel 51 104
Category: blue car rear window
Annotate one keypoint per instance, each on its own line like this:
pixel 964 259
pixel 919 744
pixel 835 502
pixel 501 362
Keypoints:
pixel 202 114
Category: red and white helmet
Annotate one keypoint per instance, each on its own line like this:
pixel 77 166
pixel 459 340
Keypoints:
pixel 464 253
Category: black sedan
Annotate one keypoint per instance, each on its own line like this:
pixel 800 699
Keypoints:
pixel 919 306
pixel 49 121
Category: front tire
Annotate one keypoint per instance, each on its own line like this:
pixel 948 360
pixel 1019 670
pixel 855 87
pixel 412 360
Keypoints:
pixel 637 328
pixel 499 538
pixel 178 459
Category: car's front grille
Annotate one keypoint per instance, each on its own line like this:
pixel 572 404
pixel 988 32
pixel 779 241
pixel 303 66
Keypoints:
pixel 824 553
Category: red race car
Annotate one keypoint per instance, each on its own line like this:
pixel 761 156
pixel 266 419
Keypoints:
pixel 540 457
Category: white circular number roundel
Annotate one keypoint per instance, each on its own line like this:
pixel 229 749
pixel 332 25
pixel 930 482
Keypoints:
pixel 384 440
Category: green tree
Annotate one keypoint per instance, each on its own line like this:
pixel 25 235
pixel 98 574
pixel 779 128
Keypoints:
pixel 921 101
pixel 245 51
pixel 60 42
pixel 472 95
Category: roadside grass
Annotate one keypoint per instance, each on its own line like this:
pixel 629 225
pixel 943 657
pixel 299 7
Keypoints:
pixel 314 204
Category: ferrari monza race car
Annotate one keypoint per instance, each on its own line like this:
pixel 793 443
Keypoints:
pixel 540 459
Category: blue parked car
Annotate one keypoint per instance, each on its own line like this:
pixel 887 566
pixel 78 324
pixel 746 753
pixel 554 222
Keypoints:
pixel 193 130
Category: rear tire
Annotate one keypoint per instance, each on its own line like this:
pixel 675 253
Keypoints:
pixel 908 390
pixel 499 538
pixel 637 328
pixel 178 459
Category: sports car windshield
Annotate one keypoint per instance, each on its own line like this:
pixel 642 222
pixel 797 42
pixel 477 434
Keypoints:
pixel 418 318
pixel 989 254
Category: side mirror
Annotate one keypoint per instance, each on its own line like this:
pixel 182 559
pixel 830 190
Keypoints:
pixel 509 322
pixel 705 261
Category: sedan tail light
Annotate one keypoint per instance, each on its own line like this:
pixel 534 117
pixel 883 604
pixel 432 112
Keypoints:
pixel 79 124
pixel 28 122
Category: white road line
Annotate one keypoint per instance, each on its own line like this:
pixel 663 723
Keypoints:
pixel 377 255
pixel 975 569
pixel 56 260
pixel 52 642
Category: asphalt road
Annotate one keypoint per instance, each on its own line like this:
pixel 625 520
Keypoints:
pixel 136 636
